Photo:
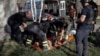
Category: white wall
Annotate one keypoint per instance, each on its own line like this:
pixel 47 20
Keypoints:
pixel 97 1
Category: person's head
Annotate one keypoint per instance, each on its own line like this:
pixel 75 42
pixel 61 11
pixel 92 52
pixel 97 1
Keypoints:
pixel 28 14
pixel 20 6
pixel 45 6
pixel 72 6
pixel 85 2
pixel 49 17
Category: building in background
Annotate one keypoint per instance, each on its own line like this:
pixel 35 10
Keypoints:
pixel 53 2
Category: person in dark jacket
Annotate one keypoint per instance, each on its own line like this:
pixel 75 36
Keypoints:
pixel 17 23
pixel 36 29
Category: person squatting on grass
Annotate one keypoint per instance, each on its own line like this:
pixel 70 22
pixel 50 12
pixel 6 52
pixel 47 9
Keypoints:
pixel 15 22
pixel 18 20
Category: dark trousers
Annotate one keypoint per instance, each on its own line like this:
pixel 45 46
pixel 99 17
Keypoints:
pixel 72 21
pixel 82 42
pixel 16 34
pixel 34 29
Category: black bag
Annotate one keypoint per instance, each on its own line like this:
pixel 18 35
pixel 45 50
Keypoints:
pixel 89 21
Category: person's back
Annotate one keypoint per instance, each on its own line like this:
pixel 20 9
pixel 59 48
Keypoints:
pixel 86 24
pixel 16 19
pixel 36 29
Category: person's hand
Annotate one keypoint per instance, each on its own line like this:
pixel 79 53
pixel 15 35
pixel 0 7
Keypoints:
pixel 93 22
pixel 74 18
pixel 77 21
pixel 24 25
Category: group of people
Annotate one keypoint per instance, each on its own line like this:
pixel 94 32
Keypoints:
pixel 35 32
pixel 54 29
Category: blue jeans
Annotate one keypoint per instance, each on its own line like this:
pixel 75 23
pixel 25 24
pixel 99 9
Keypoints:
pixel 82 38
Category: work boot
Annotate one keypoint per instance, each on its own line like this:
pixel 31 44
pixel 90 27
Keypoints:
pixel 65 40
pixel 46 46
pixel 28 43
pixel 37 46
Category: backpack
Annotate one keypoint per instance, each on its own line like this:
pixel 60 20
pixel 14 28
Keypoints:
pixel 89 21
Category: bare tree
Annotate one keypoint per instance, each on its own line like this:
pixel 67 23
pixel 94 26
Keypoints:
pixel 78 6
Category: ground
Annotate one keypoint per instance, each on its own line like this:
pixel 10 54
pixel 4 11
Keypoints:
pixel 11 48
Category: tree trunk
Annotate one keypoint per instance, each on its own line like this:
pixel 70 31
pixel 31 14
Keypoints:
pixel 7 8
pixel 78 6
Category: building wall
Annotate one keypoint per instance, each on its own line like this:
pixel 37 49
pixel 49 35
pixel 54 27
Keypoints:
pixel 99 10
pixel 98 7
pixel 97 1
